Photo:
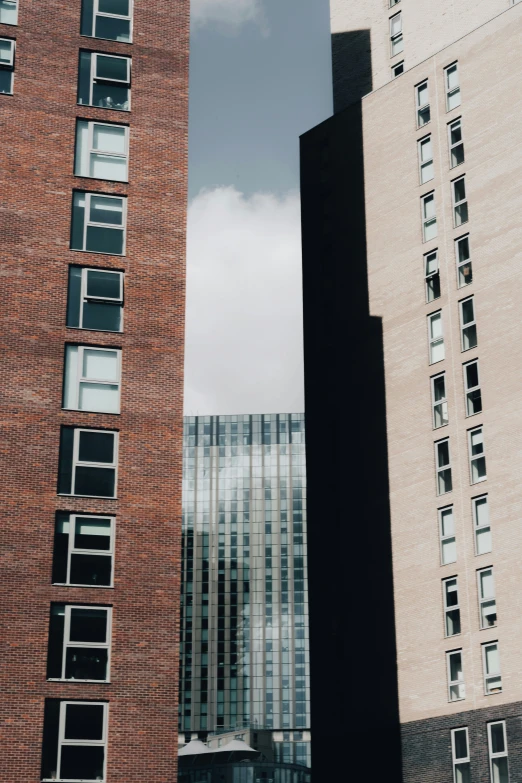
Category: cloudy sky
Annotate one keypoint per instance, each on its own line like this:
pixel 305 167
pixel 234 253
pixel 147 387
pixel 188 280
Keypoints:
pixel 260 76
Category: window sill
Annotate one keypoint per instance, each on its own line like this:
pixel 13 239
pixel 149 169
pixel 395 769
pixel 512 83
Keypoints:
pixel 97 497
pixel 95 587
pixel 103 108
pixel 62 679
pixel 82 410
pixel 85 329
pixel 97 252
pixel 101 179
pixel 98 38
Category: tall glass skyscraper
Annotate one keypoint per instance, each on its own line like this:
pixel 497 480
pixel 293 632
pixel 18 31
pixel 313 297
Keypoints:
pixel 244 614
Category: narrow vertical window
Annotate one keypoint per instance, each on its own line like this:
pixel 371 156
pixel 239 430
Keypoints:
pixel 451 607
pixel 491 663
pixel 432 275
pixel 8 11
pixel 456 145
pixel 460 202
pixel 7 55
pixel 102 151
pixel 396 40
pixel 482 525
pixel 436 337
pixel 487 600
pixel 429 217
pixel 443 463
pixel 422 100
pixel 498 753
pixel 109 19
pixel 468 325
pixel 75 740
pixel 425 159
pixel 463 257
pixel 397 69
pixel 472 388
pixel 477 457
pixel 439 401
pixel 456 686
pixel 460 756
pixel 448 544
pixel 451 77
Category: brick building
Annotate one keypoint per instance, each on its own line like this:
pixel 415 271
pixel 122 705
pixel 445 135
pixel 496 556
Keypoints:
pixel 93 171
pixel 412 273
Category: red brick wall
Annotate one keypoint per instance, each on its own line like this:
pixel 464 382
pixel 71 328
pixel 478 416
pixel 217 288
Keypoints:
pixel 37 127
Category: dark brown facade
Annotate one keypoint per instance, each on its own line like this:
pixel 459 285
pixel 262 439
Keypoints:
pixel 37 182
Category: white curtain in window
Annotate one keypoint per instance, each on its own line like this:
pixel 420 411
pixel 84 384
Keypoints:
pixel 82 149
pixel 100 365
pixel 486 584
pixel 107 138
pixel 492 659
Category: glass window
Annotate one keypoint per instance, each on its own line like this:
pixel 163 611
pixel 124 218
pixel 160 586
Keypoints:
pixel 468 325
pixel 8 11
pixel 456 145
pixel 451 76
pixel 432 276
pixel 463 256
pixel 472 388
pixel 439 401
pixel 460 756
pixel 487 600
pixel 396 40
pixel 425 159
pixel 422 99
pixel 397 69
pixel 498 754
pixel 75 740
pixel 88 462
pixel 92 379
pixel 98 223
pixel 460 202
pixel 482 525
pixel 102 151
pixel 79 642
pixel 95 299
pixel 83 550
pixel 442 458
pixel 429 218
pixel 436 337
pixel 7 56
pixel 104 80
pixel 456 686
pixel 477 457
pixel 109 19
pixel 491 662
pixel 448 545
pixel 451 607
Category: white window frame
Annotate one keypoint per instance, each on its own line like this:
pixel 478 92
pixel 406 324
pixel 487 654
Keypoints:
pixel 90 150
pixel 491 675
pixel 66 642
pixel 84 297
pixel 480 528
pixel 93 78
pixel 450 608
pixel 89 743
pixel 15 4
pixel 440 468
pixel 461 760
pixel 424 164
pixel 432 341
pixel 457 204
pixel 448 537
pixel 451 147
pixel 9 67
pixel 427 220
pixel 499 754
pixel 460 275
pixel 430 277
pixel 422 107
pixel 442 403
pixel 474 457
pixel 453 90
pixel 72 550
pixel 397 37
pixel 486 599
pixel 96 12
pixel 81 379
pixel 87 222
pixel 470 389
pixel 451 683
pixel 76 462
pixel 395 68
pixel 468 324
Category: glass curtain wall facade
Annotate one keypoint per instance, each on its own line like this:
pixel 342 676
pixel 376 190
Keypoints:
pixel 244 610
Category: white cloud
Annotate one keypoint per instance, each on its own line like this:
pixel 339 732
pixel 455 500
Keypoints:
pixel 228 13
pixel 244 307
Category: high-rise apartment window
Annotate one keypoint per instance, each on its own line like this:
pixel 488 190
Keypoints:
pixel 98 223
pixel 482 525
pixel 468 325
pixel 448 544
pixel 456 145
pixel 83 550
pixel 8 11
pixel 477 458
pixel 491 663
pixel 452 81
pixel 396 40
pixel 463 256
pixel 422 100
pixel 460 202
pixel 460 756
pixel 425 159
pixel 443 463
pixel 102 151
pixel 75 740
pixel 436 337
pixel 456 686
pixel 498 754
pixel 79 642
pixel 88 462
pixel 487 600
pixel 104 80
pixel 397 69
pixel 110 19
pixel 95 299
pixel 92 379
pixel 429 218
pixel 7 54
pixel 394 2
pixel 439 400
pixel 472 388
pixel 451 607
pixel 432 276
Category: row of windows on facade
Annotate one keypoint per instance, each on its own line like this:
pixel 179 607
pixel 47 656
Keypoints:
pixel 481 528
pixel 492 677
pixel 477 461
pixel 497 753
pixel 108 19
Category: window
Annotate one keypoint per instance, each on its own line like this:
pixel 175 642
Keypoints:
pixel 451 607
pixel 429 218
pixel 442 457
pixel 7 53
pixel 498 756
pixel 487 602
pixel 460 202
pixel 432 276
pixel 83 550
pixel 439 401
pixel 468 326
pixel 477 458
pixel 448 545
pixel 425 159
pixel 491 662
pixel 422 98
pixel 98 223
pixel 110 19
pixel 397 44
pixel 456 145
pixel 436 337
pixel 88 462
pixel 451 77
pixel 92 379
pixel 102 151
pixel 75 740
pixel 104 80
pixel 95 299
pixel 8 11
pixel 463 256
pixel 472 388
pixel 393 2
pixel 397 69
pixel 482 525
pixel 456 687
pixel 79 641
pixel 460 756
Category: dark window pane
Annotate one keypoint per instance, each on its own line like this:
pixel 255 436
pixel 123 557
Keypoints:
pixel 55 645
pixel 82 763
pixel 98 315
pixel 114 7
pixel 73 299
pixel 104 240
pixel 96 447
pixel 65 468
pixel 472 375
pixel 87 12
pixel 111 67
pixel 95 481
pixel 61 545
pixel 106 210
pixel 84 722
pixel 50 738
pixel 105 285
pixel 113 29
pixel 84 664
pixel 111 96
pixel 6 82
pixel 88 625
pixel 77 221
pixel 92 533
pixel 84 77
pixel 91 570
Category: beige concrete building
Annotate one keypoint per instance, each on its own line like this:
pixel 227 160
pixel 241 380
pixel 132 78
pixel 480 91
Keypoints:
pixel 412 247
